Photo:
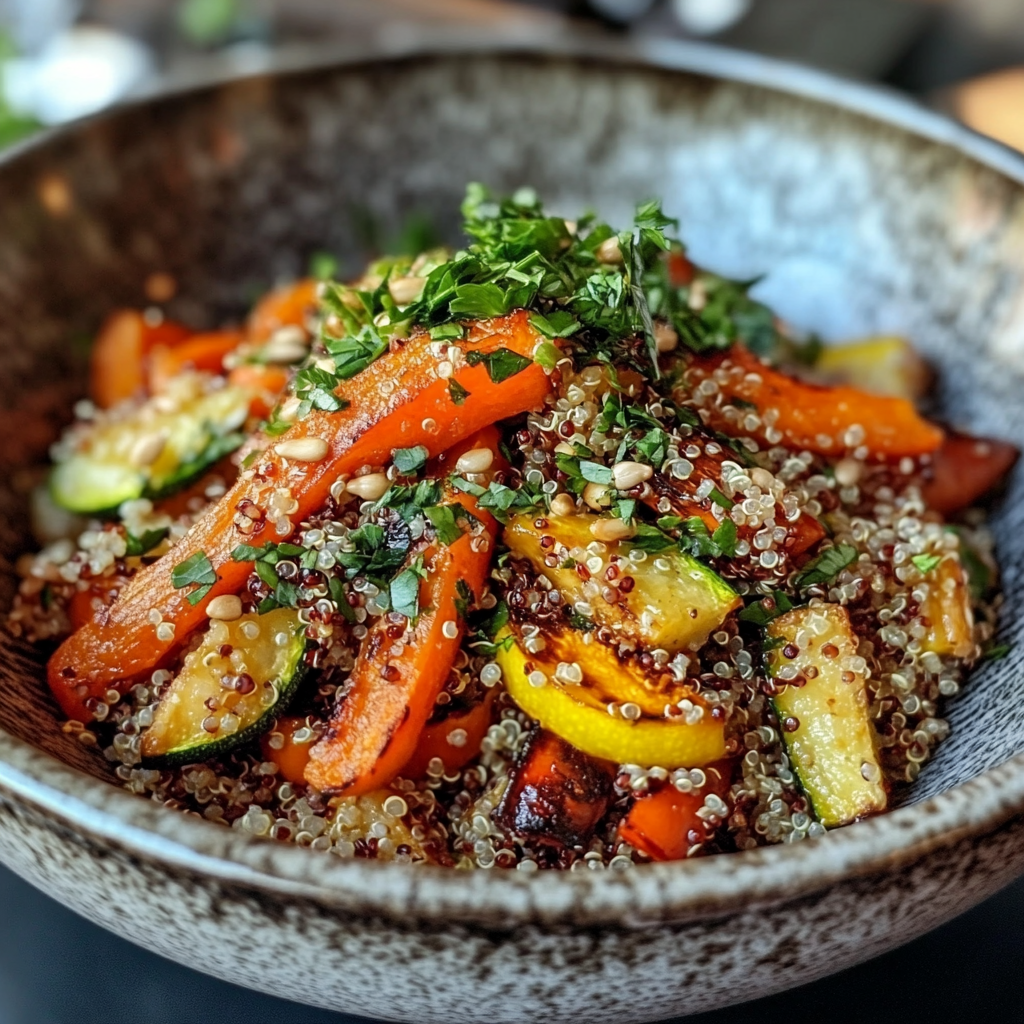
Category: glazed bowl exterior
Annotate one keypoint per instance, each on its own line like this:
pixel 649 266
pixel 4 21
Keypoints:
pixel 864 214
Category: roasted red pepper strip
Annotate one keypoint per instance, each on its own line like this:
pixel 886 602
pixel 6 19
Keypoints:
pixel 965 469
pixel 399 401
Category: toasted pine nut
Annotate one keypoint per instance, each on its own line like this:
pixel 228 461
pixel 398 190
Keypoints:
pixel 611 530
pixel 227 607
pixel 406 289
pixel 477 460
pixel 289 409
pixel 596 496
pixel 665 337
pixel 626 475
pixel 147 449
pixel 563 505
pixel 303 449
pixel 369 487
pixel 608 251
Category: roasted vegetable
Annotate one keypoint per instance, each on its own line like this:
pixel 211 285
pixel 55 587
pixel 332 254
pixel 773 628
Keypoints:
pixel 400 671
pixel 822 708
pixel 673 602
pixel 948 611
pixel 200 352
pixel 557 794
pixel 454 739
pixel 886 365
pixel 560 696
pixel 120 351
pixel 665 823
pixel 218 700
pixel 287 745
pixel 397 401
pixel 152 449
pixel 827 420
pixel 287 306
pixel 964 470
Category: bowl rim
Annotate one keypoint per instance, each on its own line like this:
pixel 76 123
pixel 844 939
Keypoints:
pixel 101 814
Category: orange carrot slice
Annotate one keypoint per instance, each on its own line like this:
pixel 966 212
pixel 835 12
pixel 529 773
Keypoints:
pixel 267 384
pixel 826 420
pixel 399 401
pixel 200 352
pixel 289 305
pixel 396 679
pixel 118 359
pixel 665 824
pixel 292 756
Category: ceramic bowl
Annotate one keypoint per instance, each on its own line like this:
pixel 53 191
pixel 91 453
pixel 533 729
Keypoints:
pixel 865 214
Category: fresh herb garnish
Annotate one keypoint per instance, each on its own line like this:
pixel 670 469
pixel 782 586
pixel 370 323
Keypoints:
pixel 501 364
pixel 925 563
pixel 759 615
pixel 457 392
pixel 826 567
pixel 198 570
pixel 410 460
pixel 405 593
pixel 141 545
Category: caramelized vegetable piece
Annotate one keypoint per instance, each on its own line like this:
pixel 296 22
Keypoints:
pixel 454 740
pixel 118 369
pixel 948 610
pixel 396 402
pixel 880 366
pixel 396 679
pixel 823 713
pixel 557 793
pixel 665 825
pixel 289 305
pixel 292 756
pixel 826 420
pixel 266 384
pixel 201 352
pixel 578 712
pixel 965 469
pixel 675 608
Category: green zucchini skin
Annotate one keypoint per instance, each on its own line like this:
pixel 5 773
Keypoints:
pixel 832 750
pixel 176 737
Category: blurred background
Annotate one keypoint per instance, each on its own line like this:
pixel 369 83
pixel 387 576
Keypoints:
pixel 62 59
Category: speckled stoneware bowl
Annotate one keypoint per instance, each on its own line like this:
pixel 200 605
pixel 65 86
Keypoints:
pixel 866 213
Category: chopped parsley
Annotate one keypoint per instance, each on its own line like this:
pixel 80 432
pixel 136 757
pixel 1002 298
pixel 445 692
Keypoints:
pixel 757 613
pixel 925 563
pixel 410 460
pixel 501 364
pixel 195 570
pixel 138 546
pixel 826 567
pixel 457 392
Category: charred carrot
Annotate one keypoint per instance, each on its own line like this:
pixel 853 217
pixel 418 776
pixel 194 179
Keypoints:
pixel 781 409
pixel 665 824
pixel 965 469
pixel 557 793
pixel 454 741
pixel 398 401
pixel 289 305
pixel 201 352
pixel 397 678
pixel 118 368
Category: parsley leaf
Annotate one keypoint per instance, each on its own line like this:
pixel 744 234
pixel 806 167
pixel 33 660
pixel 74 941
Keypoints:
pixel 405 593
pixel 409 460
pixel 558 324
pixel 925 563
pixel 137 546
pixel 444 519
pixel 479 301
pixel 457 392
pixel 595 473
pixel 827 566
pixel 759 615
pixel 197 569
pixel 725 537
pixel 501 364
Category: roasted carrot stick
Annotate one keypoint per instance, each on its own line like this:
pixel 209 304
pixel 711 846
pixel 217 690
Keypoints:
pixel 118 368
pixel 201 352
pixel 396 679
pixel 267 384
pixel 965 469
pixel 399 401
pixel 827 420
pixel 665 825
pixel 454 741
pixel 288 305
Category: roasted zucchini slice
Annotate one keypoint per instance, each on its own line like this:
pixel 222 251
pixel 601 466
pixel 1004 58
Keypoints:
pixel 219 700
pixel 823 713
pixel 948 610
pixel 675 602
pixel 151 449
pixel 572 698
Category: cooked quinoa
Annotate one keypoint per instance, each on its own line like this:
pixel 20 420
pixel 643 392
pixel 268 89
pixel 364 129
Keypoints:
pixel 669 468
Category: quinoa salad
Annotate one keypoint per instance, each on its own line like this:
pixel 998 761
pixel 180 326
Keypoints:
pixel 555 551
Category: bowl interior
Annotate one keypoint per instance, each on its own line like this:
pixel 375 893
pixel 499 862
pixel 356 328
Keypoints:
pixel 857 226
